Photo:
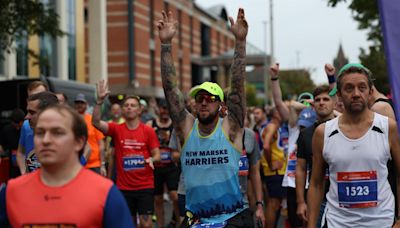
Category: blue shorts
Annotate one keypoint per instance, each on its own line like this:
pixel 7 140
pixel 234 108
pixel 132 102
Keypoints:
pixel 274 186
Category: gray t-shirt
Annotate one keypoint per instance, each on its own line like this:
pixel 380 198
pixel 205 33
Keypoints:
pixel 173 144
pixel 253 155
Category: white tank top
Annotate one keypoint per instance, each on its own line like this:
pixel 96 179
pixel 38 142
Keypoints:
pixel 359 193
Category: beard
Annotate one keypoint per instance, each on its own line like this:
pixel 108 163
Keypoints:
pixel 209 119
pixel 354 109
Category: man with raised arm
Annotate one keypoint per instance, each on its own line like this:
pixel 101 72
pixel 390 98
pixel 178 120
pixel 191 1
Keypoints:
pixel 210 147
pixel 136 147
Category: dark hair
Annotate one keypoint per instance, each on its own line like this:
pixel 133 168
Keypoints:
pixel 17 115
pixel 354 69
pixel 33 85
pixel 259 107
pixel 321 89
pixel 131 97
pixel 271 113
pixel 79 127
pixel 45 99
pixel 162 104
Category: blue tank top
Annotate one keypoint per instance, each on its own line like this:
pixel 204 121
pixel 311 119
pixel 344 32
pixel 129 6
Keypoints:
pixel 210 165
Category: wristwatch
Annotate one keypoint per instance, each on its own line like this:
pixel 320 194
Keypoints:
pixel 260 202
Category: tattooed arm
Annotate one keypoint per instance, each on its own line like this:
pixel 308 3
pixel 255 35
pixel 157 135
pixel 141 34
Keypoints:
pixel 236 100
pixel 182 120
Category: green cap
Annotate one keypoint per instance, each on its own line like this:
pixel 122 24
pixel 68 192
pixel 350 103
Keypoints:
pixel 346 67
pixel 211 87
pixel 333 92
pixel 349 65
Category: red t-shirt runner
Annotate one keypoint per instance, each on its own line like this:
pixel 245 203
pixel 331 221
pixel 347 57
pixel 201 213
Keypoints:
pixel 132 148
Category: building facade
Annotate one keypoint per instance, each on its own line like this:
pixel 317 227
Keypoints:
pixel 117 40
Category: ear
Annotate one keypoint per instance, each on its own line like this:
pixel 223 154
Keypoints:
pixel 80 143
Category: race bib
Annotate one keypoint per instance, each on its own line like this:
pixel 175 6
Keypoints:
pixel 32 162
pixel 357 189
pixel 165 156
pixel 291 166
pixel 243 166
pixel 133 162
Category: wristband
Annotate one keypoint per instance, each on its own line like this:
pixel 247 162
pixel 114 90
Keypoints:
pixel 331 79
pixel 260 202
pixel 274 79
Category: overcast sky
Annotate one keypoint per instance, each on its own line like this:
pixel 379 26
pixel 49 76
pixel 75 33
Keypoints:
pixel 307 32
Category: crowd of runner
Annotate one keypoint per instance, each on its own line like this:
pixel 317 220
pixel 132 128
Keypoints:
pixel 326 158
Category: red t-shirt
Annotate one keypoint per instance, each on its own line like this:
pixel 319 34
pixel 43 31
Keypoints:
pixel 132 148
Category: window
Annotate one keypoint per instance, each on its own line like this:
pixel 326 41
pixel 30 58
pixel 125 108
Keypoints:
pixel 71 26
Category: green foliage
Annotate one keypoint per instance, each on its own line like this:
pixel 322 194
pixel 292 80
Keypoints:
pixel 20 19
pixel 365 12
pixel 376 62
pixel 295 82
pixel 251 95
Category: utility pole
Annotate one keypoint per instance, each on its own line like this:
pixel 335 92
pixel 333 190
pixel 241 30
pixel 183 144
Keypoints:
pixel 266 78
pixel 272 55
pixel 271 22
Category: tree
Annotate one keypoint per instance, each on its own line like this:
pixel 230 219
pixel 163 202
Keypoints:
pixel 21 19
pixel 367 15
pixel 295 82
pixel 251 95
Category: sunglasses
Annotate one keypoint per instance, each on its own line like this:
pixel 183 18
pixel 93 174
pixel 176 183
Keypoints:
pixel 208 98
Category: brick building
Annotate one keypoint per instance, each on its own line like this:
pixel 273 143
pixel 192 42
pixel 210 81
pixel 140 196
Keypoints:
pixel 117 40
pixel 200 33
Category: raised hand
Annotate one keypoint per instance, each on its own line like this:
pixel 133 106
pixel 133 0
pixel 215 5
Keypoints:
pixel 240 28
pixel 329 69
pixel 166 27
pixel 102 90
pixel 274 70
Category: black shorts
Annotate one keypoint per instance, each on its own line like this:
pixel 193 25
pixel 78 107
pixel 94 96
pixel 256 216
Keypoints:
pixel 274 186
pixel 244 219
pixel 140 201
pixel 168 175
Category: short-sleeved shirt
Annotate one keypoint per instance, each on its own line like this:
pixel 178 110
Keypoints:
pixel 26 141
pixel 89 200
pixel 253 155
pixel 94 136
pixel 132 148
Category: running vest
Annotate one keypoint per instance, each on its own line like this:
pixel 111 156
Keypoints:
pixel 164 136
pixel 279 149
pixel 359 193
pixel 79 203
pixel 211 167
